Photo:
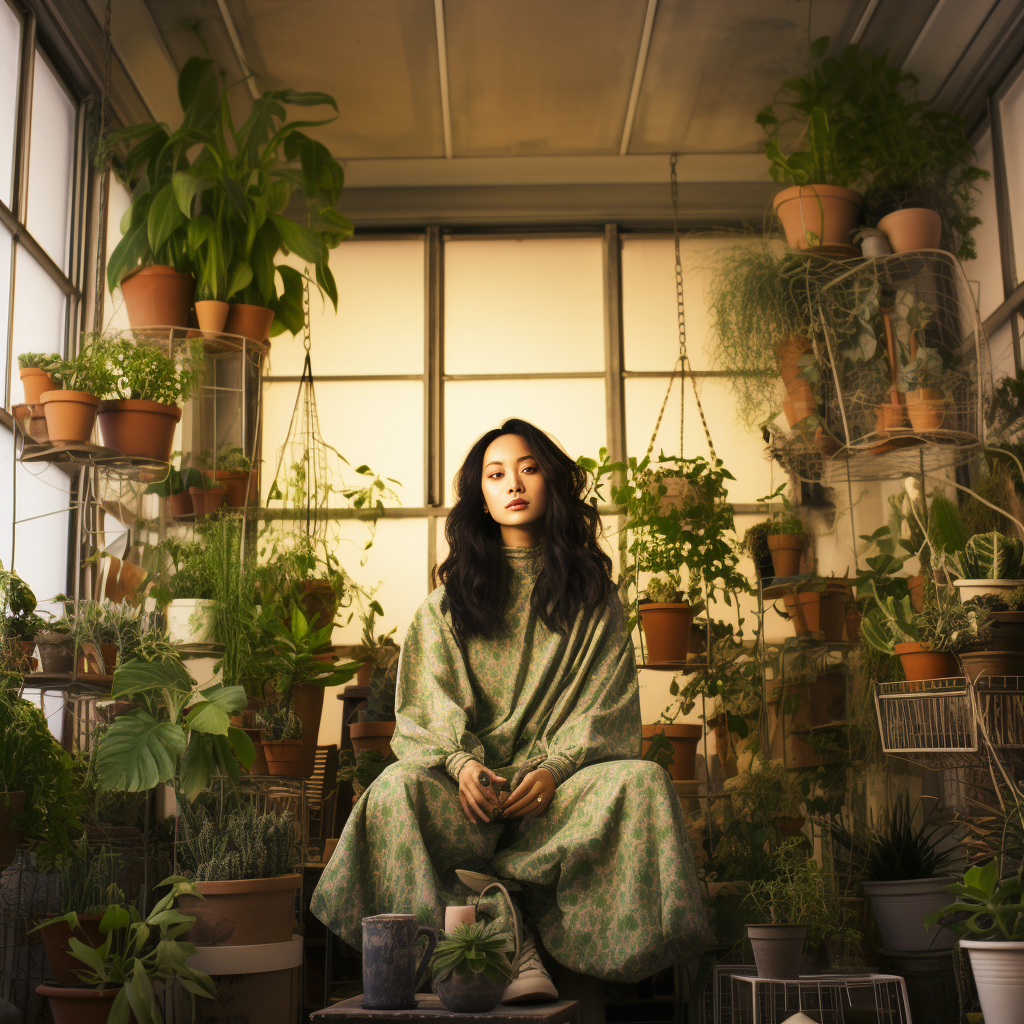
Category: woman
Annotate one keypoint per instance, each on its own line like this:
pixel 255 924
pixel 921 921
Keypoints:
pixel 519 668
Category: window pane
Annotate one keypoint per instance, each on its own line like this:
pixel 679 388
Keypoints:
pixel 986 272
pixel 5 305
pixel 1011 111
pixel 39 308
pixel 10 47
pixel 115 316
pixel 533 304
pixel 378 327
pixel 51 161
pixel 379 423
pixel 571 411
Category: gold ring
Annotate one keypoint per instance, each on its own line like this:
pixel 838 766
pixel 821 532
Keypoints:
pixel 540 799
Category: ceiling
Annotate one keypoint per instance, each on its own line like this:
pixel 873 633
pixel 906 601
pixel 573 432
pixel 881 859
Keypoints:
pixel 437 97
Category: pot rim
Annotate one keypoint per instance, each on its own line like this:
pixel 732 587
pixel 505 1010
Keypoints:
pixel 140 405
pixel 77 992
pixel 999 945
pixel 156 270
pixel 63 395
pixel 662 605
pixel 778 927
pixel 986 582
pixel 680 730
pixel 793 192
pixel 884 888
pixel 366 729
pixel 240 886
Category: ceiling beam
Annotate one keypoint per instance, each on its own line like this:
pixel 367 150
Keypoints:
pixel 865 20
pixel 442 68
pixel 638 76
pixel 236 45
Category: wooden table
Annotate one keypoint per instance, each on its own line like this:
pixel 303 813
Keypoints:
pixel 429 1008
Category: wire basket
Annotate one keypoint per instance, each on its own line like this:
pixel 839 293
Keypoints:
pixel 933 721
pixel 1000 705
pixel 826 998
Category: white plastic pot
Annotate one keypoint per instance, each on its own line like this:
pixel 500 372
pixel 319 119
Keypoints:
pixel 978 588
pixel 190 621
pixel 900 909
pixel 998 969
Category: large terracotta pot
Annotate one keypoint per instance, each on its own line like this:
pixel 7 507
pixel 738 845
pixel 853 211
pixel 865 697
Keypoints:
pixel 252 322
pixel 684 740
pixel 81 1005
pixel 242 912
pixel 786 549
pixel 139 428
pixel 206 500
pixel 666 628
pixel 10 837
pixel 283 757
pixel 35 382
pixel 987 662
pixel 926 408
pixel 70 415
pixel 818 215
pixel 157 296
pixel 212 315
pixel 307 704
pixel 57 943
pixel 911 229
pixel 919 663
pixel 372 736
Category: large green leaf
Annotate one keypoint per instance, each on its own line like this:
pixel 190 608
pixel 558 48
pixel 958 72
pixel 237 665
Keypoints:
pixel 164 218
pixel 133 677
pixel 208 718
pixel 304 242
pixel 198 764
pixel 186 185
pixel 199 91
pixel 133 248
pixel 242 746
pixel 138 752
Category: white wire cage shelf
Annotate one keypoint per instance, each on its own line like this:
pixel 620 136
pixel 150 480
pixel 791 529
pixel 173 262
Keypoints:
pixel 826 998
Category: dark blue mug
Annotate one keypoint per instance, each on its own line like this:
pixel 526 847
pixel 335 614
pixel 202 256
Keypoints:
pixel 390 974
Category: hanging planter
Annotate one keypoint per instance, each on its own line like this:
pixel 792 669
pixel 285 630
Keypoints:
pixel 139 428
pixel 666 628
pixel 157 296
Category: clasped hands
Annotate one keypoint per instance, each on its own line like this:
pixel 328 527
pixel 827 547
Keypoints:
pixel 484 803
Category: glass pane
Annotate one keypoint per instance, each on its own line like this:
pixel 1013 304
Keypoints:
pixel 742 451
pixel 523 304
pixel 986 272
pixel 51 162
pixel 379 325
pixel 360 420
pixel 39 310
pixel 571 411
pixel 5 305
pixel 115 316
pixel 1011 112
pixel 40 551
pixel 10 50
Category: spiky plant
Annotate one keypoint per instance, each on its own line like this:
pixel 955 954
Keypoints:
pixel 246 844
pixel 474 948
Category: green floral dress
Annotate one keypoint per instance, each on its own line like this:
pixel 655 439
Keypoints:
pixel 606 873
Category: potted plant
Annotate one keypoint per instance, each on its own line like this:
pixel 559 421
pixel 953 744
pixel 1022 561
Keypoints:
pixel 245 880
pixel 56 647
pixel 186 591
pixel 993 935
pixel 281 740
pixel 107 633
pixel 470 967
pixel 232 468
pixel 33 368
pixel 923 374
pixel 135 953
pixel 206 496
pixel 783 533
pixel 990 563
pixel 375 724
pixel 19 624
pixel 70 410
pixel 176 485
pixel 148 386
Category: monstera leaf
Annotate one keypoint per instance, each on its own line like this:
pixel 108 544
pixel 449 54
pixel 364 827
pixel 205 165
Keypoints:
pixel 138 752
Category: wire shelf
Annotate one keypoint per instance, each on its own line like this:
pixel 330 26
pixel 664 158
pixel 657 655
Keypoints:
pixel 1000 705
pixel 827 998
pixel 933 721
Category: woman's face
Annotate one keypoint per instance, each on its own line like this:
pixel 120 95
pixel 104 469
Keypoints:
pixel 513 489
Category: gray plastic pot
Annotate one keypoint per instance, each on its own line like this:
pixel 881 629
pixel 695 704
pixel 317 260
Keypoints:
pixel 900 909
pixel 469 992
pixel 778 949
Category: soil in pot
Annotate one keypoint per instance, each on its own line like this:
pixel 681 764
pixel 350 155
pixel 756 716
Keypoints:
pixel 372 736
pixel 57 943
pixel 998 969
pixel 212 315
pixel 819 215
pixel 10 837
pixel 900 909
pixel 56 652
pixel 308 704
pixel 157 296
pixel 206 500
pixel 252 322
pixel 78 1004
pixel 778 949
pixel 666 627
pixel 138 428
pixel 919 663
pixel 34 382
pixel 70 415
pixel 684 740
pixel 242 912
pixel 283 757
pixel 926 409
pixel 469 993
pixel 787 549
pixel 911 229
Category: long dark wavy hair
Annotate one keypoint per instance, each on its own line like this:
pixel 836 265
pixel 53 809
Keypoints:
pixel 575 574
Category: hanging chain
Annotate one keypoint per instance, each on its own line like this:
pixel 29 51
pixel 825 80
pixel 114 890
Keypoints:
pixel 305 314
pixel 103 163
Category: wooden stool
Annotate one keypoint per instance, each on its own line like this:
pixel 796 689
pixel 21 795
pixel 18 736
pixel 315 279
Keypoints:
pixel 429 1008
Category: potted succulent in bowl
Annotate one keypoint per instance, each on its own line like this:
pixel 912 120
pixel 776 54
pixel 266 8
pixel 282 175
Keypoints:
pixel 989 563
pixel 470 967
pixel 33 368
pixel 993 935
pixel 71 408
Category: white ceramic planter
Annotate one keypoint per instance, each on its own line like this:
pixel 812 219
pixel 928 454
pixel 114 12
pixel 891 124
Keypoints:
pixel 900 909
pixel 998 969
pixel 978 588
pixel 190 621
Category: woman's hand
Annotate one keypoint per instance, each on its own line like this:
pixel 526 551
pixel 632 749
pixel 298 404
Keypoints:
pixel 531 797
pixel 478 801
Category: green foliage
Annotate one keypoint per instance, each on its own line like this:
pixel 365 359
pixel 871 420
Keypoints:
pixel 86 371
pixel 278 722
pixel 130 628
pixel 135 953
pixel 190 573
pixel 364 768
pixel 478 948
pixel 945 625
pixel 18 620
pixel 991 556
pixel 995 908
pixel 147 372
pixel 179 478
pixel 245 844
pixel 229 457
pixel 661 751
pixel 663 589
pixel 381 652
pixel 36 360
pixel 89 879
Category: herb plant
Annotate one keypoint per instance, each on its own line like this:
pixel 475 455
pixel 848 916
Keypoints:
pixel 944 626
pixel 36 360
pixel 244 844
pixel 86 371
pixel 147 372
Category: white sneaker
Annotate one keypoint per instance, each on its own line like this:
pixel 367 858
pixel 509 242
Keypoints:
pixel 533 984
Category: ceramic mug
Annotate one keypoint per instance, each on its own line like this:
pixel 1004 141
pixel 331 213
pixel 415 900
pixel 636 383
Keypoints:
pixel 390 974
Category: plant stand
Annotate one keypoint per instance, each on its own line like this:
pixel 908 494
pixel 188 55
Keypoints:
pixel 826 998
pixel 429 1008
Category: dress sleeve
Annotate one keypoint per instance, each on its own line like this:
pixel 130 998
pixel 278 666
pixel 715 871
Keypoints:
pixel 434 705
pixel 597 716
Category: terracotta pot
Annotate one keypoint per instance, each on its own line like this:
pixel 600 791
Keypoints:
pixel 788 353
pixel 976 663
pixel 56 652
pixel 242 912
pixel 889 416
pixel 252 322
pixel 157 296
pixel 372 736
pixel 911 229
pixel 787 550
pixel 89 661
pixel 919 663
pixel 826 699
pixel 35 382
pixel 139 428
pixel 180 504
pixel 80 1005
pixel 259 762
pixel 666 628
pixel 1007 631
pixel 57 943
pixel 308 705
pixel 819 215
pixel 206 499
pixel 915 586
pixel 239 488
pixel 812 612
pixel 318 602
pixel 926 408
pixel 363 674
pixel 70 415
pixel 10 837
pixel 212 315
pixel 684 740
pixel 283 757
